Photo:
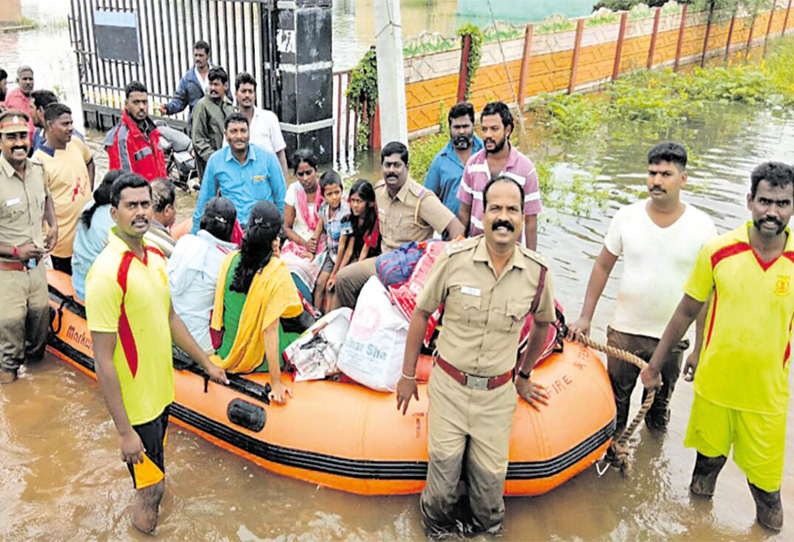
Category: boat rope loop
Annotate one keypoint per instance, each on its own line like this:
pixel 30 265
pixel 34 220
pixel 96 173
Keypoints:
pixel 618 452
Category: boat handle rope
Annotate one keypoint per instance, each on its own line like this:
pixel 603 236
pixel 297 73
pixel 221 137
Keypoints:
pixel 618 452
pixel 59 315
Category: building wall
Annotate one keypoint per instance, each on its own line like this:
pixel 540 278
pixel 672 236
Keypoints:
pixel 11 11
pixel 432 79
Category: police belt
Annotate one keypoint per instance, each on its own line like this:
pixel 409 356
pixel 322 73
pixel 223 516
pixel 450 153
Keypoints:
pixel 12 266
pixel 475 382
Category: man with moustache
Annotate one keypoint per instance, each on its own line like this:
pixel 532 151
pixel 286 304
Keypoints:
pixel 498 157
pixel 406 212
pixel 209 116
pixel 69 166
pixel 194 85
pixel 19 98
pixel 25 203
pixel 133 326
pixel 263 125
pixel 242 173
pixel 488 285
pixel 741 377
pixel 133 145
pixel 446 169
pixel 659 238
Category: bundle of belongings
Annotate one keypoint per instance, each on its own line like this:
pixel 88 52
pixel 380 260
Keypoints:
pixel 368 345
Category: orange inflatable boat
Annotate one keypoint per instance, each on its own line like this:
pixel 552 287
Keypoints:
pixel 351 438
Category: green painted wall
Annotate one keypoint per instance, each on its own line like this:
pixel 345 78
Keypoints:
pixel 520 11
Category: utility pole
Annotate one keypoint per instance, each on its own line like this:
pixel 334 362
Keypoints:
pixel 391 74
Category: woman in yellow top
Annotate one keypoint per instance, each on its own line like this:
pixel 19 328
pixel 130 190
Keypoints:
pixel 255 290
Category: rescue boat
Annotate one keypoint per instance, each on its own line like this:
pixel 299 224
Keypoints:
pixel 353 439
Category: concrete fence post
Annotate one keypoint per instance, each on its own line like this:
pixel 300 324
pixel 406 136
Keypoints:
pixel 522 82
pixel 730 39
pixel 391 70
pixel 464 68
pixel 619 47
pixel 749 39
pixel 709 24
pixel 576 50
pixel 681 30
pixel 769 26
pixel 654 35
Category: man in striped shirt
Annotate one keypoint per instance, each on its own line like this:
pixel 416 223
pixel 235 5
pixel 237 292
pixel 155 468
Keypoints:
pixel 498 157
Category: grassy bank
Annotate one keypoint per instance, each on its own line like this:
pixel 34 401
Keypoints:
pixel 645 105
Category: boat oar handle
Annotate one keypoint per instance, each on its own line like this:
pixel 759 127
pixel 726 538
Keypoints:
pixel 237 383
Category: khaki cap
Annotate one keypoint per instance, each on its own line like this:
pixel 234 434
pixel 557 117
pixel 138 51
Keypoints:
pixel 13 121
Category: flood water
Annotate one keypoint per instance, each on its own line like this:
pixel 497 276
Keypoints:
pixel 60 474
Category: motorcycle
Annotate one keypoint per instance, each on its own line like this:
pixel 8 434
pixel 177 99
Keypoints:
pixel 179 160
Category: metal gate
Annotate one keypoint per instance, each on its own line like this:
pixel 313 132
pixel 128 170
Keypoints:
pixel 151 41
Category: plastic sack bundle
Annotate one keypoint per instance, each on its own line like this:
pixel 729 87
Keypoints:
pixel 373 352
pixel 314 354
pixel 404 295
pixel 395 267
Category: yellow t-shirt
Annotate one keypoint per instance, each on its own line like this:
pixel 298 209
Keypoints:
pixel 146 379
pixel 744 362
pixel 70 187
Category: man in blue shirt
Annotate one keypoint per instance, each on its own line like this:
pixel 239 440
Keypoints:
pixel 242 173
pixel 446 170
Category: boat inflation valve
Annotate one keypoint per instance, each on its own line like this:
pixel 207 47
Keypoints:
pixel 247 415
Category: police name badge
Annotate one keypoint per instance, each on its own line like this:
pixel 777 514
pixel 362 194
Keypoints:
pixel 468 290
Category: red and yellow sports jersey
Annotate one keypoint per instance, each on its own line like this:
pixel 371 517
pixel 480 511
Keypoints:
pixel 744 363
pixel 130 297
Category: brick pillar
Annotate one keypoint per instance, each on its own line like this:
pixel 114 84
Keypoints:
pixel 11 13
pixel 304 61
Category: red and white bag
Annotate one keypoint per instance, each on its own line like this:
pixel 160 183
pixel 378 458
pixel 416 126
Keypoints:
pixel 375 345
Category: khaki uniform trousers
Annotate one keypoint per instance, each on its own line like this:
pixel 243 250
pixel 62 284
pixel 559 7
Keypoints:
pixel 472 428
pixel 350 281
pixel 24 319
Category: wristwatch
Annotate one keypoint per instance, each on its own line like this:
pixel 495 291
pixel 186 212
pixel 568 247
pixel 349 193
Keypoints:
pixel 525 376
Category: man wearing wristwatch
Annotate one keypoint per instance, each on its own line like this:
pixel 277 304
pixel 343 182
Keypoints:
pixel 25 203
pixel 489 285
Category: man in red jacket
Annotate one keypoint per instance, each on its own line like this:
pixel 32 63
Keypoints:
pixel 133 145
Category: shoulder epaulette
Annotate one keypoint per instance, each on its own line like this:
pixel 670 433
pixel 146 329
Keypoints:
pixel 463 245
pixel 534 256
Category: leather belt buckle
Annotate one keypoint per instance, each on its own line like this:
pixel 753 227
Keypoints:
pixel 474 382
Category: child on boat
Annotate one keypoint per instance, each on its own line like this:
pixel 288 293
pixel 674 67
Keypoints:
pixel 360 238
pixel 332 211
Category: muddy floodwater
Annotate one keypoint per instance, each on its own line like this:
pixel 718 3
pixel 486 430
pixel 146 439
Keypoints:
pixel 61 478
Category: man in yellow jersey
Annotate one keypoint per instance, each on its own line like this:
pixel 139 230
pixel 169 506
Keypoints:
pixel 132 321
pixel 741 385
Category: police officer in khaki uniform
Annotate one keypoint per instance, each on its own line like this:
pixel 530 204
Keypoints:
pixel 489 285
pixel 406 212
pixel 24 205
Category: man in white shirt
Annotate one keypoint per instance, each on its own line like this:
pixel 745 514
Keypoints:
pixel 660 239
pixel 263 125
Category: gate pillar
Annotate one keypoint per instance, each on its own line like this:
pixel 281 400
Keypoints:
pixel 303 48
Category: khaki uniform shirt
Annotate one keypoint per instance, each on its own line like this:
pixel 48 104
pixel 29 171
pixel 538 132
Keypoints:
pixel 412 215
pixel 22 204
pixel 483 313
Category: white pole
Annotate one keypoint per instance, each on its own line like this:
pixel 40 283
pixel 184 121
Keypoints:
pixel 391 76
